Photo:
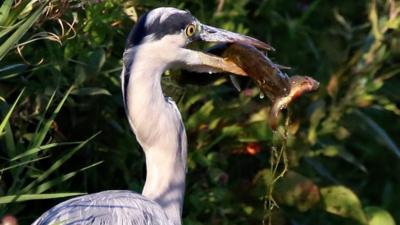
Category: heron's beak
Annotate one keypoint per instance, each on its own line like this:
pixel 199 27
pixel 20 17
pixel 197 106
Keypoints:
pixel 213 34
pixel 213 63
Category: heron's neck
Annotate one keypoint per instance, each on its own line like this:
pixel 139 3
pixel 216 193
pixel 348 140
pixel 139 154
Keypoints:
pixel 158 127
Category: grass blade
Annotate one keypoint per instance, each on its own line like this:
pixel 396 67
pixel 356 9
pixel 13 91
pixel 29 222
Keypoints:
pixel 9 141
pixel 28 197
pixel 41 134
pixel 5 10
pixel 47 185
pixel 42 119
pixel 5 30
pixel 380 132
pixel 8 115
pixel 21 164
pixel 12 70
pixel 19 33
pixel 35 150
pixel 57 165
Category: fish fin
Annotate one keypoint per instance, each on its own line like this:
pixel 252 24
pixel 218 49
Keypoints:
pixel 273 118
pixel 282 67
pixel 274 114
pixel 235 82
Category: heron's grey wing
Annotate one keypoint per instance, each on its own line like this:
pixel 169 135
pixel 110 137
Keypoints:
pixel 108 207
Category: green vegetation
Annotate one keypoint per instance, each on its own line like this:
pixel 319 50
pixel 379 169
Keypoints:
pixel 63 129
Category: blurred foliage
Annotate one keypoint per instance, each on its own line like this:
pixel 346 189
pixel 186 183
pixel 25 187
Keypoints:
pixel 59 84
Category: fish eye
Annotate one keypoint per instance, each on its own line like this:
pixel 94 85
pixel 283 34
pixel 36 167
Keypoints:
pixel 190 30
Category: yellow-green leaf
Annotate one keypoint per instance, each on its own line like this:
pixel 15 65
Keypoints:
pixel 343 202
pixel 378 216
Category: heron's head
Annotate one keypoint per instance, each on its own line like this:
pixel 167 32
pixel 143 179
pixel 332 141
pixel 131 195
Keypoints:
pixel 170 30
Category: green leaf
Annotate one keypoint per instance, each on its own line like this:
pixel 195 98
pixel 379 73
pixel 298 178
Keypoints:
pixel 341 201
pixel 97 58
pixel 231 130
pixel 90 91
pixel 42 120
pixel 379 132
pixel 7 29
pixel 378 216
pixel 349 157
pixel 394 23
pixel 297 190
pixel 5 10
pixel 8 44
pixel 21 164
pixel 201 116
pixel 49 184
pixel 11 71
pixel 316 117
pixel 256 132
pixel 9 141
pixel 41 133
pixel 34 151
pixel 8 115
pixel 20 198
pixel 57 164
pixel 374 19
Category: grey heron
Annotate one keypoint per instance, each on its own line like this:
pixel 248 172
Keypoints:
pixel 156 43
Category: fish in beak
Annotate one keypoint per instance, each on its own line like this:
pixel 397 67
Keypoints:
pixel 244 55
pixel 281 89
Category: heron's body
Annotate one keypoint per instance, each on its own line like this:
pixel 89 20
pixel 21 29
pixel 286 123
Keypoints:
pixel 156 43
pixel 107 207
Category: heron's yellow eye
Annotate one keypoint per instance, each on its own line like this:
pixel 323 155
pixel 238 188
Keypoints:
pixel 190 30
